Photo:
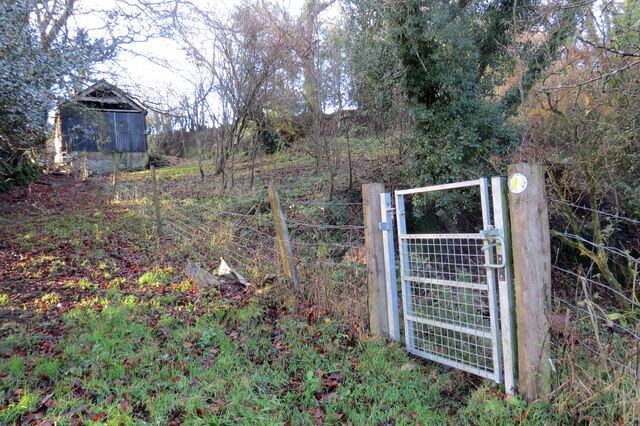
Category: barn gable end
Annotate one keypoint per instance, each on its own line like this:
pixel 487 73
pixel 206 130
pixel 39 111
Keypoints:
pixel 100 125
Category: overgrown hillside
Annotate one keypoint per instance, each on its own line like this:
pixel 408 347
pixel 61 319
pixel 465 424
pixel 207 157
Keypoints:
pixel 104 322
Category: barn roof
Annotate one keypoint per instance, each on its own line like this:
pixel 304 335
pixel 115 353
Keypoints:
pixel 106 94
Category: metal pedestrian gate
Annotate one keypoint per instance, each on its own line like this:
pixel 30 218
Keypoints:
pixel 457 296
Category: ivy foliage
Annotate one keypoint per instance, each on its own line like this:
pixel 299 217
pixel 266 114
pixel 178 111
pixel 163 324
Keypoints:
pixel 373 66
pixel 457 57
pixel 24 76
pixel 463 67
pixel 41 59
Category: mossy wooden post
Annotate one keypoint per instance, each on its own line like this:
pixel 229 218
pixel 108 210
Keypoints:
pixel 284 244
pixel 532 276
pixel 114 178
pixel 85 167
pixel 376 271
pixel 156 202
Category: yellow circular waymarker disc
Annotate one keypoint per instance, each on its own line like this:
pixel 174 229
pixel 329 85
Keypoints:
pixel 517 183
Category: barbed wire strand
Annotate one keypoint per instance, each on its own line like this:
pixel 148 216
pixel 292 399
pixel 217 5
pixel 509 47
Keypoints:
pixel 314 244
pixel 228 254
pixel 613 250
pixel 269 222
pixel 249 227
pixel 596 283
pixel 179 234
pixel 299 260
pixel 318 244
pixel 186 229
pixel 604 356
pixel 297 243
pixel 195 224
pixel 228 213
pixel 607 320
pixel 319 203
pixel 243 198
pixel 292 221
pixel 612 215
pixel 182 233
pixel 217 210
pixel 229 240
pixel 324 226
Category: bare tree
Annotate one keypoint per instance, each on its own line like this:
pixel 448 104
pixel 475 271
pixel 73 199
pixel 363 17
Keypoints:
pixel 583 120
pixel 242 53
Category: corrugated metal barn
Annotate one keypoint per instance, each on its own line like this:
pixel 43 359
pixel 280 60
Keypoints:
pixel 99 126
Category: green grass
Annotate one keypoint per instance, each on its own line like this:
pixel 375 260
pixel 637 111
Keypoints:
pixel 82 284
pixel 223 371
pixel 253 363
pixel 69 227
pixel 155 278
pixel 27 402
pixel 185 170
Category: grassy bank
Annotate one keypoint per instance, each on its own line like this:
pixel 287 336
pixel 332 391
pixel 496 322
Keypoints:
pixel 100 322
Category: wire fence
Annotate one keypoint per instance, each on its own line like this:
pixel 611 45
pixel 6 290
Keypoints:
pixel 595 337
pixel 327 238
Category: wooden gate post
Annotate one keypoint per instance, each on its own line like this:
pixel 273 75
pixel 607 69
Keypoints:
pixel 374 244
pixel 284 244
pixel 114 179
pixel 532 276
pixel 156 202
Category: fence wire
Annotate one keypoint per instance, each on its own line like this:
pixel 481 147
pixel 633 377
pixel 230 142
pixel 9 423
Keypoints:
pixel 595 337
pixel 327 238
pixel 601 212
pixel 619 252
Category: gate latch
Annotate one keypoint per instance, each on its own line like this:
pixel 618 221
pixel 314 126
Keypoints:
pixel 384 226
pixel 387 226
pixel 494 238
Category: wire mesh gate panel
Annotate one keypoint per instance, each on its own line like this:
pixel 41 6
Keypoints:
pixel 449 289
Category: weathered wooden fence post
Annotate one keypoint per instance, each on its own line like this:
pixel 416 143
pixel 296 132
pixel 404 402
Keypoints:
pixel 156 202
pixel 85 167
pixel 532 276
pixel 114 178
pixel 376 271
pixel 284 244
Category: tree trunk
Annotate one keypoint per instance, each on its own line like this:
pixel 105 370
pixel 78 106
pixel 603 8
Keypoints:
pixel 350 164
pixel 200 154
pixel 253 163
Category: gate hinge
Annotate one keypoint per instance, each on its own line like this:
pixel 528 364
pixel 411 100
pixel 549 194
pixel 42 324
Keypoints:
pixel 495 238
pixel 384 226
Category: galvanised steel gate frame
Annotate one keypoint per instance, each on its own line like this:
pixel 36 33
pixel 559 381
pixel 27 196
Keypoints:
pixel 457 295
